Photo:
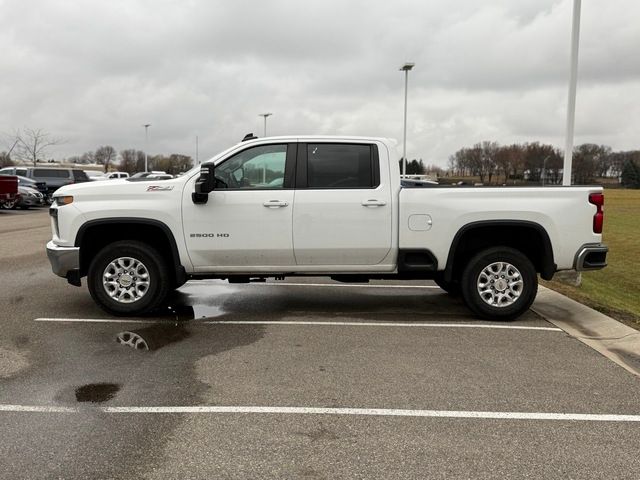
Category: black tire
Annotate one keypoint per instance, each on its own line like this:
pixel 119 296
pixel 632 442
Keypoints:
pixel 159 279
pixel 516 297
pixel 452 288
pixel 10 204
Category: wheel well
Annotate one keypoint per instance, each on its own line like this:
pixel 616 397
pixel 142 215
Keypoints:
pixel 529 238
pixel 93 237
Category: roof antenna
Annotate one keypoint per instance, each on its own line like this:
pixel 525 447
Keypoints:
pixel 249 136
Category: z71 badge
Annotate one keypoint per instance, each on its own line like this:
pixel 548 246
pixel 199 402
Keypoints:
pixel 159 188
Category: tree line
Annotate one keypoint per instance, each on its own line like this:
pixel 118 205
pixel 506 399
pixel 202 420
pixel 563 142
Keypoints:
pixel 491 162
pixel 32 146
pixel 132 160
pixel 543 163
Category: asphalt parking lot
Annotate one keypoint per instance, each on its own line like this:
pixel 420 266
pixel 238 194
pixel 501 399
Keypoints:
pixel 295 379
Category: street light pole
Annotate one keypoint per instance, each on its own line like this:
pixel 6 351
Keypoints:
pixel 265 115
pixel 406 68
pixel 571 104
pixel 146 145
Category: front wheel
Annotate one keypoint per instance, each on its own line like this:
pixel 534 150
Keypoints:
pixel 128 278
pixel 499 284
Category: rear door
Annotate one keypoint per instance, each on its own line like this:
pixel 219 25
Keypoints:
pixel 342 212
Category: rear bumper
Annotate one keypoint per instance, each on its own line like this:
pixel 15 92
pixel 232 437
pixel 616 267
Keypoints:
pixel 592 256
pixel 65 261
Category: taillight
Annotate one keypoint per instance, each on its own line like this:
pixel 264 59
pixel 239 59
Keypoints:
pixel 598 219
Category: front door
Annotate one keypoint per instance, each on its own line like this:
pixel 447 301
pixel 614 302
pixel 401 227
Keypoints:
pixel 247 219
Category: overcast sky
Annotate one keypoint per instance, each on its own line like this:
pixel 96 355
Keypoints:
pixel 94 72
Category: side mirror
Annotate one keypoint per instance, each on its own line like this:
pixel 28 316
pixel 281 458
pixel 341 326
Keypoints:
pixel 204 184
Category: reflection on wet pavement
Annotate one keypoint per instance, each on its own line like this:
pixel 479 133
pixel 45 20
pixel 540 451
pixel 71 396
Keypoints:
pixel 153 337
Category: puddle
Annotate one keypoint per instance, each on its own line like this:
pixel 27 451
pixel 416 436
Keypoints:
pixel 96 392
pixel 189 303
pixel 182 313
pixel 153 337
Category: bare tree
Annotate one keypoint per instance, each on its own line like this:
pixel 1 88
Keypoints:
pixel 586 160
pixel 488 164
pixel 129 160
pixel 88 157
pixel 509 160
pixel 33 143
pixel 182 163
pixel 105 155
pixel 5 160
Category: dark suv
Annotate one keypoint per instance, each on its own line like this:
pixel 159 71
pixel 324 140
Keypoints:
pixel 54 177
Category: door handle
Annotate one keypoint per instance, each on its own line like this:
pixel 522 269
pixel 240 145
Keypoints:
pixel 275 204
pixel 373 203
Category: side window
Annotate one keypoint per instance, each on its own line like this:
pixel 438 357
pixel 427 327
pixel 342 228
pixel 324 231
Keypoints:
pixel 79 175
pixel 260 167
pixel 50 173
pixel 21 171
pixel 338 165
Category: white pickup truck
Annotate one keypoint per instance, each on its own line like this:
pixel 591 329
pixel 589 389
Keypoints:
pixel 323 206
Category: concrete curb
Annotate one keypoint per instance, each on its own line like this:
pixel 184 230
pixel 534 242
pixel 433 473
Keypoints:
pixel 611 338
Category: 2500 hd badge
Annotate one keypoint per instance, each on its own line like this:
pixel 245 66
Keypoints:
pixel 208 235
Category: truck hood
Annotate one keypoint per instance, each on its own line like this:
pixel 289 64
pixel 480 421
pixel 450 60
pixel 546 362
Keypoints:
pixel 120 189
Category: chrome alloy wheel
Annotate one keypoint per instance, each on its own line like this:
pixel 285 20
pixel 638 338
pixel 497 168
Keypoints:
pixel 500 284
pixel 126 280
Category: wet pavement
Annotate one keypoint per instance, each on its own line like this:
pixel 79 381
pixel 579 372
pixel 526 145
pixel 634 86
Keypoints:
pixel 108 391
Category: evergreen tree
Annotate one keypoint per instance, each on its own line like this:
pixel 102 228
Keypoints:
pixel 631 174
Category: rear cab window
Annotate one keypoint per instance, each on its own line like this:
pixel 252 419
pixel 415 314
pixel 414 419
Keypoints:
pixel 338 166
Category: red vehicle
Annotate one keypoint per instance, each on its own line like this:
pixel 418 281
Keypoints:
pixel 8 188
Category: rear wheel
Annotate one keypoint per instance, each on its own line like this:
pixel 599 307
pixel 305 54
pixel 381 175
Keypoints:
pixel 499 284
pixel 128 278
pixel 9 204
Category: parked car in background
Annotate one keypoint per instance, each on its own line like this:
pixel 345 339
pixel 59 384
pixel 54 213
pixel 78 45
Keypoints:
pixel 94 175
pixel 152 174
pixel 98 176
pixel 159 176
pixel 113 175
pixel 29 182
pixel 54 177
pixel 8 189
pixel 27 197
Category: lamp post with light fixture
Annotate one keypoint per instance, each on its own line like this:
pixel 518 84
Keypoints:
pixel 406 68
pixel 265 115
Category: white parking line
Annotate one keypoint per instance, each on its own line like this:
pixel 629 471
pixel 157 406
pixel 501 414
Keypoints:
pixel 93 320
pixel 382 324
pixel 379 412
pixel 308 323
